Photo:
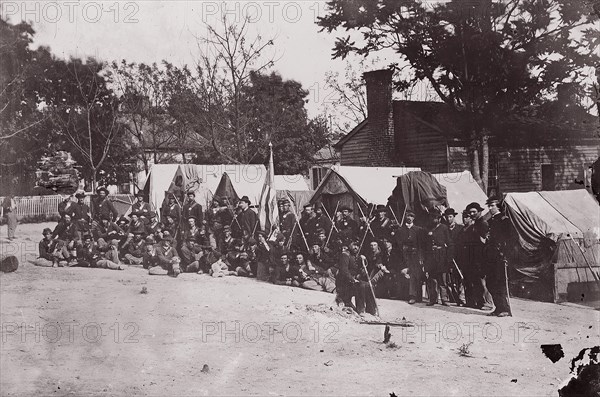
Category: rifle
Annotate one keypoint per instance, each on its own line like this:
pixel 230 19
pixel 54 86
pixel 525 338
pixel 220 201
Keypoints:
pixel 332 224
pixel 370 284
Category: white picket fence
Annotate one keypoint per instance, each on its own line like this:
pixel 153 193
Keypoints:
pixel 48 205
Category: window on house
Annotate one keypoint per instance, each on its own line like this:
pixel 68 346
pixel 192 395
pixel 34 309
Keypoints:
pixel 317 175
pixel 548 177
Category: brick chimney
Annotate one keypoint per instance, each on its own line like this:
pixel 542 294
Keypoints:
pixel 380 124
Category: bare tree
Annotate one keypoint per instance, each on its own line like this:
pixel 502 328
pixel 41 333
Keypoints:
pixel 226 57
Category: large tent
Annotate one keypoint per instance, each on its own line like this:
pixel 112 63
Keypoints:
pixel 557 244
pixel 157 182
pixel 357 187
pixel 423 192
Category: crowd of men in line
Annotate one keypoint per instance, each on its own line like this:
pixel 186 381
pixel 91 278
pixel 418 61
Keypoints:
pixel 364 258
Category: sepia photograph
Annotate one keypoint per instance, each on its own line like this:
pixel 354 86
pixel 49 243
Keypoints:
pixel 300 198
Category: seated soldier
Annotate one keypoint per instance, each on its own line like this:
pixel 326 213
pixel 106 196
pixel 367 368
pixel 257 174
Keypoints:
pixel 263 256
pixel 123 223
pixel 170 226
pixel 87 253
pixel 168 261
pixel 101 230
pixel 49 256
pixel 277 250
pixel 151 258
pixel 225 242
pixel 134 249
pixel 237 258
pixel 379 274
pixel 288 274
pixel 109 255
pixel 251 264
pixel 313 277
pixel 191 252
pixel 66 234
pixel 137 225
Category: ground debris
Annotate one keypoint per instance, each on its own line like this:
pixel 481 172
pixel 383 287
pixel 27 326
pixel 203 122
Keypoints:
pixel 334 311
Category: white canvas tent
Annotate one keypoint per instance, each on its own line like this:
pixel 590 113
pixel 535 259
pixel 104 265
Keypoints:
pixel 291 182
pixel 158 180
pixel 461 190
pixel 558 242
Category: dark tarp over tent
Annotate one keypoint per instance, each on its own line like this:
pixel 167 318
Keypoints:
pixel 226 192
pixel 557 240
pixel 423 192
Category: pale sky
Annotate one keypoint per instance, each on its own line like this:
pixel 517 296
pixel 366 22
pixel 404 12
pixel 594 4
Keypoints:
pixel 150 31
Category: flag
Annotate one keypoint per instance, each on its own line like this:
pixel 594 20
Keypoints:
pixel 268 213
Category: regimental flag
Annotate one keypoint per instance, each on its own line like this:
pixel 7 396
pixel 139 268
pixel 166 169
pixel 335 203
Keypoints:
pixel 268 213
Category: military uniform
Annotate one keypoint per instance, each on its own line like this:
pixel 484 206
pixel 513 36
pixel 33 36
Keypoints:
pixel 472 258
pixel 496 277
pixel 347 230
pixel 192 208
pixel 437 241
pixel 349 283
pixel 409 240
pixel 104 207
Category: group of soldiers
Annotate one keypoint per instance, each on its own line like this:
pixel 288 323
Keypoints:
pixel 362 258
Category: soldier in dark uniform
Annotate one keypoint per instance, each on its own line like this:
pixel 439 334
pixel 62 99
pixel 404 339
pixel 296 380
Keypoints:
pixel 102 206
pixel 287 219
pixel 496 278
pixel 453 279
pixel 472 257
pixel 381 225
pixel 246 222
pixel 351 281
pixel 67 206
pixel 409 240
pixel 143 209
pixel 82 216
pixel 172 209
pixel 321 220
pixel 192 208
pixel 308 222
pixel 437 240
pixel 346 226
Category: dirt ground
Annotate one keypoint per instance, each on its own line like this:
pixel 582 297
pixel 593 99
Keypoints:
pixel 72 331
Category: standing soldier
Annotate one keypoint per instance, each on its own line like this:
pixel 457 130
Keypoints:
pixel 347 227
pixel 308 222
pixel 102 206
pixel 437 242
pixel 143 209
pixel 321 220
pixel 453 279
pixel 246 221
pixel 67 206
pixel 172 209
pixel 474 237
pixel 193 209
pixel 82 216
pixel 497 280
pixel 409 242
pixel 287 222
pixel 381 226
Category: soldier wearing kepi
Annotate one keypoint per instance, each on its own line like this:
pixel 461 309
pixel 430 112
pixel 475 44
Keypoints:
pixel 381 226
pixel 437 242
pixel 453 279
pixel 142 208
pixel 496 278
pixel 287 218
pixel 473 240
pixel 321 220
pixel 346 226
pixel 409 240
pixel 308 222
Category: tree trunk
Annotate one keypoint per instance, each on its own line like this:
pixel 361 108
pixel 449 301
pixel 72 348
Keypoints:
pixel 94 180
pixel 475 169
pixel 485 162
